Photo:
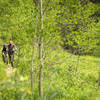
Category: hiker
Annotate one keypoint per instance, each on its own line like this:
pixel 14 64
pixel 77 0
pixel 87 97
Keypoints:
pixel 5 53
pixel 11 50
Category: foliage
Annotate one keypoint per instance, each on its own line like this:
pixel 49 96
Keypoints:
pixel 65 76
pixel 77 26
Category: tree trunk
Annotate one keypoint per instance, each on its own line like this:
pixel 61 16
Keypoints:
pixel 33 53
pixel 32 69
pixel 41 52
pixel 99 79
pixel 12 36
pixel 40 45
pixel 41 65
pixel 63 2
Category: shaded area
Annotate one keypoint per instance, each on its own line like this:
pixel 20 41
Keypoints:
pixel 95 1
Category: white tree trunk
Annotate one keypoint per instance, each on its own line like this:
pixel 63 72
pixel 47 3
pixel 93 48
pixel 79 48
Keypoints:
pixel 41 52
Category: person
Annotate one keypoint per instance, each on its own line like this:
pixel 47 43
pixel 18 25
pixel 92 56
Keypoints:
pixel 5 53
pixel 11 50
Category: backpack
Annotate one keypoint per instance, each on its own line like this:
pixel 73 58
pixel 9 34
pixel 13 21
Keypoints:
pixel 11 48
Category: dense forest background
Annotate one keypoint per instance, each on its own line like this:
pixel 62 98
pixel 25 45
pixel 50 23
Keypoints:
pixel 58 49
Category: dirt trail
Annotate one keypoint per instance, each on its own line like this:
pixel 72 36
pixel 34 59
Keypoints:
pixel 9 70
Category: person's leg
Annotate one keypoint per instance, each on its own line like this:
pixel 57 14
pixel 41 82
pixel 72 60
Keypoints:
pixel 12 59
pixel 6 59
pixel 9 58
pixel 3 58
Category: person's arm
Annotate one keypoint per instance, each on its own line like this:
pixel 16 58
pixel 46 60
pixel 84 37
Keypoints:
pixel 15 48
pixel 2 52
